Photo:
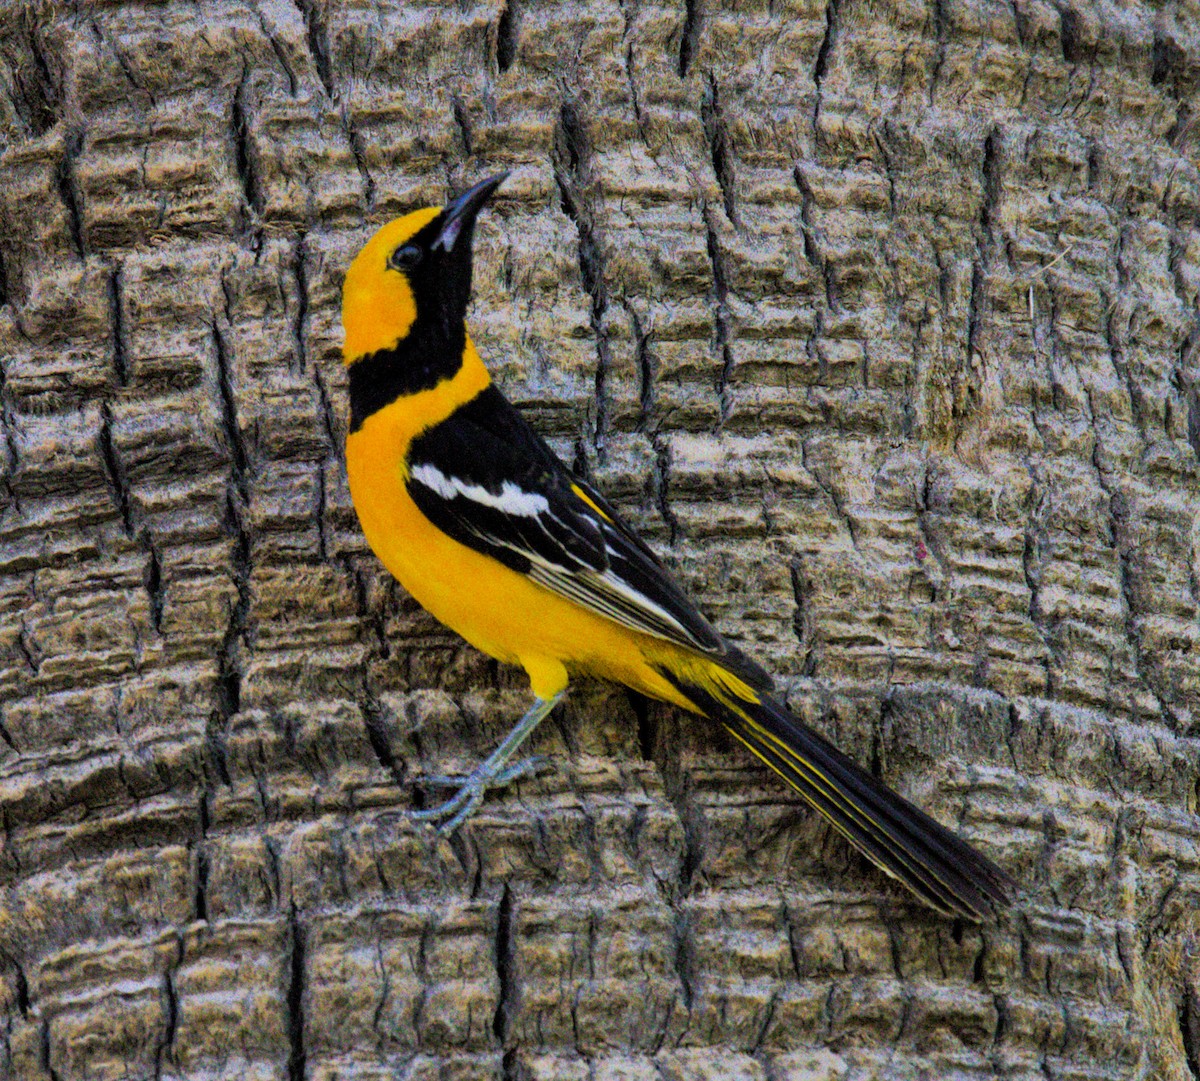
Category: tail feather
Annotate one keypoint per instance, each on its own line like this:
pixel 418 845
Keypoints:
pixel 936 864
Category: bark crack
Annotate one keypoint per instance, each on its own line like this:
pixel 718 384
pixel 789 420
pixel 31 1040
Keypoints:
pixel 280 55
pixel 243 156
pixel 297 1053
pixel 68 190
pixel 377 735
pixel 462 121
pixel 966 382
pixel 685 957
pixel 44 1050
pixel 35 95
pixel 508 1002
pixel 165 1048
pixel 229 667
pixel 1189 1029
pixel 940 21
pixel 200 894
pixel 6 736
pixel 21 988
pixel 812 251
pixel 508 35
pixel 317 36
pixel 374 719
pixel 723 351
pixel 153 582
pixel 116 305
pixel 300 319
pixel 11 456
pixel 644 361
pixel 1118 514
pixel 803 622
pixel 662 486
pixel 1189 348
pixel 689 39
pixel 113 471
pixel 571 160
pixel 1033 561
pixel 821 67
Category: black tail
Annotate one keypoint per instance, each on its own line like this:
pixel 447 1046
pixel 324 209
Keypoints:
pixel 937 865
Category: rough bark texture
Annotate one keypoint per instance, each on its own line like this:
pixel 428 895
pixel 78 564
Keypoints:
pixel 879 318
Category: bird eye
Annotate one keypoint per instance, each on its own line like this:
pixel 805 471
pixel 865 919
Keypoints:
pixel 405 257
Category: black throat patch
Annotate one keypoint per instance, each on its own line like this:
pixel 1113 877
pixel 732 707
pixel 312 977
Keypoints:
pixel 425 357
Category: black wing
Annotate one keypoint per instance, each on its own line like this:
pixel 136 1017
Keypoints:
pixel 487 479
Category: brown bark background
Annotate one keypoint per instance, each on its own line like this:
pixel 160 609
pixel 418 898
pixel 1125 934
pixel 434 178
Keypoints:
pixel 878 318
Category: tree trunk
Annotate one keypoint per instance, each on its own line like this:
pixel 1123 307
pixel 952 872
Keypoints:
pixel 880 321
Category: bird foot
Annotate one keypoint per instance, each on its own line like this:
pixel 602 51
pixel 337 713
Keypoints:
pixel 471 789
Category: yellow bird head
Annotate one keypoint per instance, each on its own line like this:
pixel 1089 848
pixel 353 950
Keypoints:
pixel 406 293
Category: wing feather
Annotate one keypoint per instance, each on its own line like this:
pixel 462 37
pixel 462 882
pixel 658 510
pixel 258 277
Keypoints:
pixel 486 478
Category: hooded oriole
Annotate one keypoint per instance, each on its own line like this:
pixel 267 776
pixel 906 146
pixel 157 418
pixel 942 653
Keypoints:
pixel 470 509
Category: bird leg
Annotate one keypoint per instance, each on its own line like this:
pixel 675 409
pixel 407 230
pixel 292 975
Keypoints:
pixel 491 773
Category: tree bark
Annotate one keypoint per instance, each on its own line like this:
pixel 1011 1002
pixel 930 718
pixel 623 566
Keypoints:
pixel 880 321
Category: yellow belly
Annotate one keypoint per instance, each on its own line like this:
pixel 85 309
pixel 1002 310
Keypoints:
pixel 496 609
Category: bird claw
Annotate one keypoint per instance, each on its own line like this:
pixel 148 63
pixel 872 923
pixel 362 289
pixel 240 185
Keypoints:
pixel 529 765
pixel 471 789
pixel 459 807
pixel 502 777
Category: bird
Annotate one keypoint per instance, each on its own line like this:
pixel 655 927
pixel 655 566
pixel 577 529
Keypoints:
pixel 483 525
